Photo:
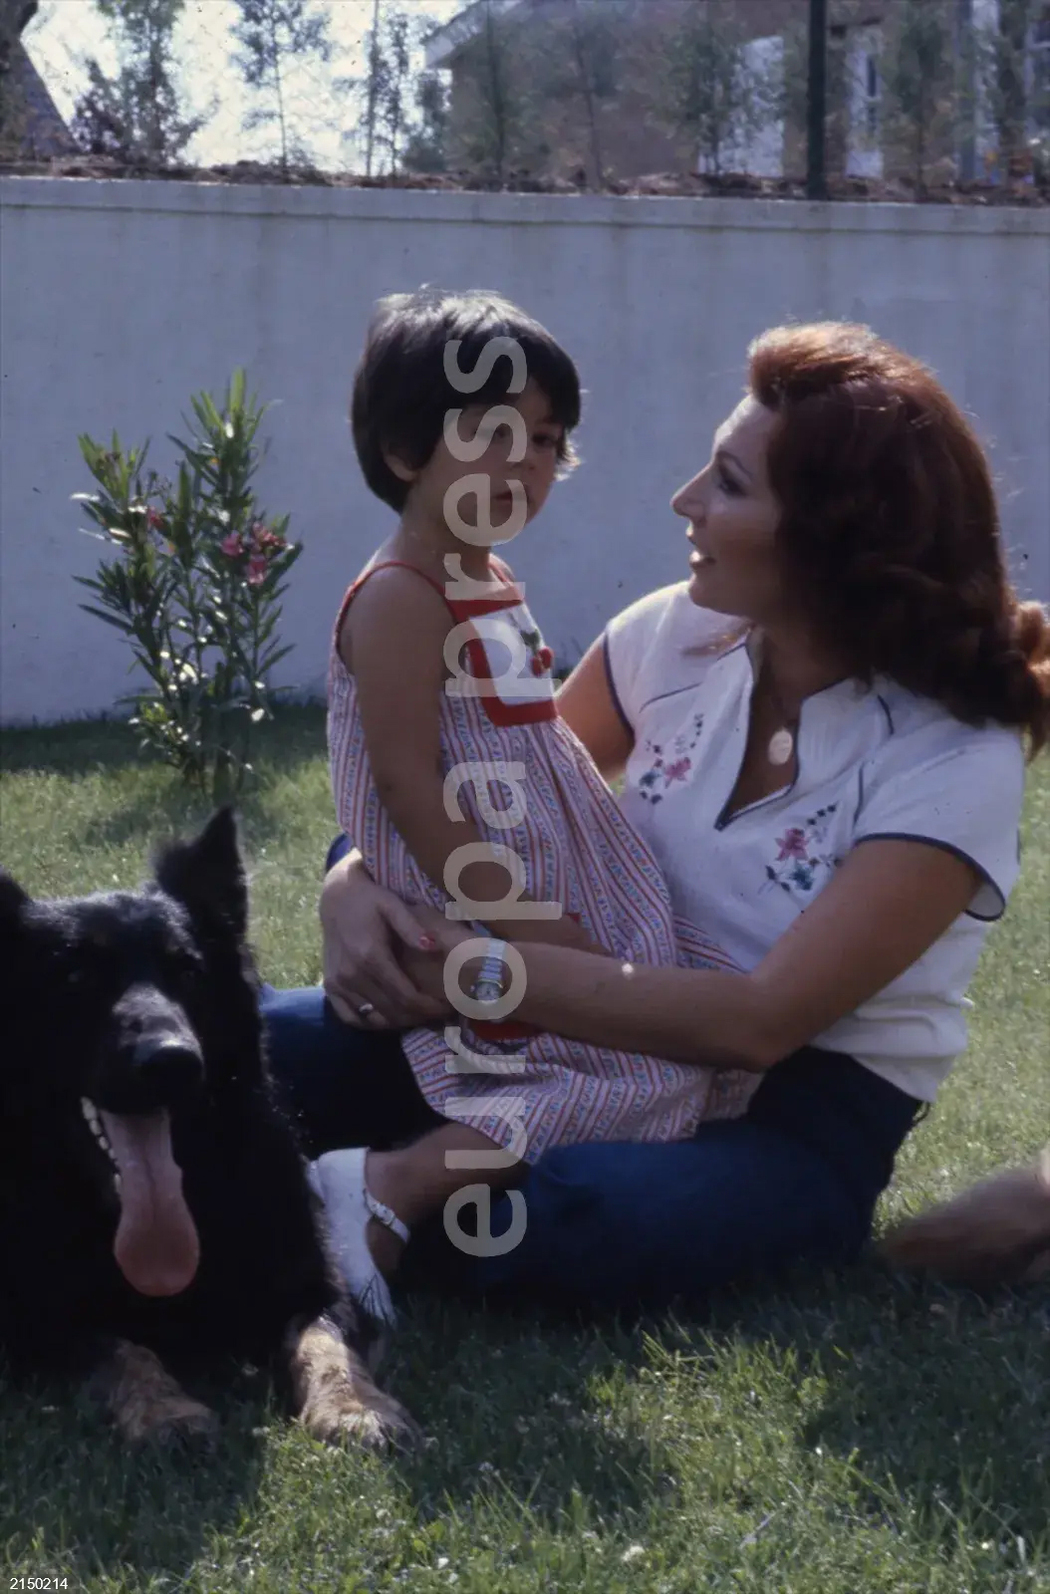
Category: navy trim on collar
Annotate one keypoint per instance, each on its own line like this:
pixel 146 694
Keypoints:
pixel 613 693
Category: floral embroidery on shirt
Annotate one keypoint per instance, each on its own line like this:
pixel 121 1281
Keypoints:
pixel 800 853
pixel 669 765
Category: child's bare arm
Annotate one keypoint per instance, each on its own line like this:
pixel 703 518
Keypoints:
pixel 393 641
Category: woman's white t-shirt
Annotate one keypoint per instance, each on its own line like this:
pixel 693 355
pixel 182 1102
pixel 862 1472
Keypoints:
pixel 872 762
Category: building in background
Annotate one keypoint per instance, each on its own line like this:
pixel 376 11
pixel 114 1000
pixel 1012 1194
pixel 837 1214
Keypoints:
pixel 934 87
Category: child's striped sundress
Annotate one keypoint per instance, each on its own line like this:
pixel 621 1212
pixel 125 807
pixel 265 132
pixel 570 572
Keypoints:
pixel 577 849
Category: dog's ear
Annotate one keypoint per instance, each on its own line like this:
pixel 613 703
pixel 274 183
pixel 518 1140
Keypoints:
pixel 12 900
pixel 207 874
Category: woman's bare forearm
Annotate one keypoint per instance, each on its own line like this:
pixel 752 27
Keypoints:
pixel 711 1018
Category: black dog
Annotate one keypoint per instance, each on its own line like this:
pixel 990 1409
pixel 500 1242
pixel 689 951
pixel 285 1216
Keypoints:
pixel 153 1203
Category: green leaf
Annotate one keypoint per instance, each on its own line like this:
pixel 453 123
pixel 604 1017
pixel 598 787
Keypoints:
pixel 110 619
pixel 277 655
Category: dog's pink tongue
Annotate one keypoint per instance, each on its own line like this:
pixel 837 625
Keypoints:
pixel 156 1247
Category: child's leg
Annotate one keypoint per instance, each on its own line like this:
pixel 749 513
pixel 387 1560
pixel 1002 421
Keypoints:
pixel 371 1197
pixel 416 1180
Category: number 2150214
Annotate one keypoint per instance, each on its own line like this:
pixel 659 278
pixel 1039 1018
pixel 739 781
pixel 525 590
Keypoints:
pixel 38 1582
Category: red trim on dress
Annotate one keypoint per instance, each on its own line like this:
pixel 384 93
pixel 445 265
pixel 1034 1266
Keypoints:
pixel 462 610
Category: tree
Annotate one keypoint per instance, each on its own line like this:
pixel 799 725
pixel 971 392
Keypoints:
pixel 1015 94
pixel 705 88
pixel 918 83
pixel 576 63
pixel 394 103
pixel 272 33
pixel 494 123
pixel 426 148
pixel 386 88
pixel 847 89
pixel 594 38
pixel 136 115
pixel 375 79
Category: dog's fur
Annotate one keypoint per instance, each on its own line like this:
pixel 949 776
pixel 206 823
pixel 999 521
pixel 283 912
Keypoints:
pixel 997 1232
pixel 125 1018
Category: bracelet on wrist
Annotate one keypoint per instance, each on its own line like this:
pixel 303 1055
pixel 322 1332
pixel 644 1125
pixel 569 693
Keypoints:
pixel 490 982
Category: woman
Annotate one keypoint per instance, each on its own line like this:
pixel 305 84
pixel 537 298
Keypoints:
pixel 829 717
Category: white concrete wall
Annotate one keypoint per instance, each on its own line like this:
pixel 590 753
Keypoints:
pixel 120 299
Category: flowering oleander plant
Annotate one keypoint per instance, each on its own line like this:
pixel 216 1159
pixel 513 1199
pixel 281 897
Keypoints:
pixel 194 582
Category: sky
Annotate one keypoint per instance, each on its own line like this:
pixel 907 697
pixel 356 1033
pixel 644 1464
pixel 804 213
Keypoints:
pixel 64 32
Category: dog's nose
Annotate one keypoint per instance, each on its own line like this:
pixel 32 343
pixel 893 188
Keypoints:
pixel 170 1062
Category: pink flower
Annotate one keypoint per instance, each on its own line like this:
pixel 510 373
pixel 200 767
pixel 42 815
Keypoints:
pixel 232 545
pixel 678 770
pixel 263 538
pixel 792 844
pixel 257 568
pixel 154 519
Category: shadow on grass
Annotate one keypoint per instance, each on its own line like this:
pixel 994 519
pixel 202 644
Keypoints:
pixel 75 1492
pixel 78 747
pixel 938 1399
pixel 160 805
pixel 500 1399
pixel 171 814
pixel 503 1400
pixel 933 1402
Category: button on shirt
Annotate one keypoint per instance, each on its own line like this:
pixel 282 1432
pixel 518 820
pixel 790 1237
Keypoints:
pixel 873 762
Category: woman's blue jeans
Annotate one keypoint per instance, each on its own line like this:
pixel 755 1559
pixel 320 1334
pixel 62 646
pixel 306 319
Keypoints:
pixel 618 1224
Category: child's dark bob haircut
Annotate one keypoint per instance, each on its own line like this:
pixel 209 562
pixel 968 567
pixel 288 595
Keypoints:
pixel 401 391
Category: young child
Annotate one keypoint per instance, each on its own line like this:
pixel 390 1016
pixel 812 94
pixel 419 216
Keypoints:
pixel 434 617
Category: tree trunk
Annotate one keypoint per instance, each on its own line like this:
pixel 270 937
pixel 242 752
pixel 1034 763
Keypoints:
pixel 275 49
pixel 967 117
pixel 582 68
pixel 373 90
pixel 1013 35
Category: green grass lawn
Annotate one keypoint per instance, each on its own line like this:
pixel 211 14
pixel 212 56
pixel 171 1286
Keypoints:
pixel 841 1435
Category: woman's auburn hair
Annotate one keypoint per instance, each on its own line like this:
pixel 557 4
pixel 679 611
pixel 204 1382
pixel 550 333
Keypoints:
pixel 889 528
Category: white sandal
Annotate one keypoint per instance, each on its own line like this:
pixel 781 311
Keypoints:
pixel 338 1178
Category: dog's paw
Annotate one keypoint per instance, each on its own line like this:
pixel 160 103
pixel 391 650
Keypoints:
pixel 366 1419
pixel 335 1396
pixel 183 1424
pixel 147 1405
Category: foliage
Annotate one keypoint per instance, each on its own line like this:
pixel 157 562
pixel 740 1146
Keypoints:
pixel 426 148
pixel 918 84
pixel 136 115
pixel 495 126
pixel 386 89
pixel 788 85
pixel 704 88
pixel 272 33
pixel 195 585
pixel 1013 91
pixel 580 65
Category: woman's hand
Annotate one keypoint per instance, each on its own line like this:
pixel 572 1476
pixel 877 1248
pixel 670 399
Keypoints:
pixel 363 928
pixel 425 966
